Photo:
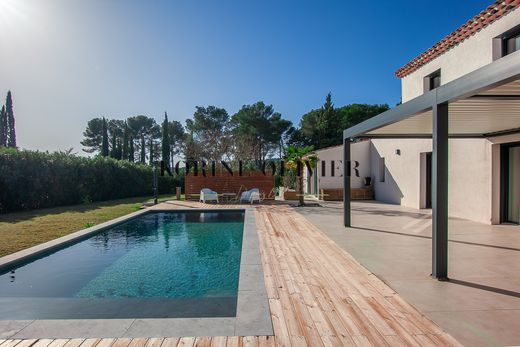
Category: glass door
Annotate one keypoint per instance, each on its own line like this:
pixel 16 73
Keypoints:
pixel 510 183
pixel 429 180
pixel 513 183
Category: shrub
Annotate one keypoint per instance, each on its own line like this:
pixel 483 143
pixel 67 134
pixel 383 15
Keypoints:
pixel 33 179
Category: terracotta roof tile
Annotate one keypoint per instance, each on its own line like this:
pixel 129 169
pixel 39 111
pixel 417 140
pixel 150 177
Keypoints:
pixel 493 12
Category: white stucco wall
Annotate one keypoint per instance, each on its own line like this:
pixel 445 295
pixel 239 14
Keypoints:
pixel 359 153
pixel 402 173
pixel 470 179
pixel 468 56
pixel 470 175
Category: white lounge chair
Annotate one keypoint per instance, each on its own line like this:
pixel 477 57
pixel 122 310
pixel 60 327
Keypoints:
pixel 250 196
pixel 207 194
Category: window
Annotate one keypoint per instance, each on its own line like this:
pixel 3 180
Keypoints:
pixel 512 44
pixel 382 169
pixel 332 168
pixel 432 81
pixel 323 168
pixel 506 43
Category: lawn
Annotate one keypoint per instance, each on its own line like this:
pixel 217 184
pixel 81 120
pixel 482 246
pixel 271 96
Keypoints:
pixel 25 229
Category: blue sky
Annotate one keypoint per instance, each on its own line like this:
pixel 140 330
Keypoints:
pixel 69 61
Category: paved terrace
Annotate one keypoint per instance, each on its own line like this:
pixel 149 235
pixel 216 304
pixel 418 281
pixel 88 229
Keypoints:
pixel 319 295
pixel 480 306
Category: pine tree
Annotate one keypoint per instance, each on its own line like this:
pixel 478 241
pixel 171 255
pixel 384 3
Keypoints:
pixel 131 151
pixel 11 132
pixel 143 150
pixel 104 142
pixel 165 145
pixel 3 127
pixel 125 149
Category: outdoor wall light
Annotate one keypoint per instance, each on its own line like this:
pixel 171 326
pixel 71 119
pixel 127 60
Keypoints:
pixel 398 151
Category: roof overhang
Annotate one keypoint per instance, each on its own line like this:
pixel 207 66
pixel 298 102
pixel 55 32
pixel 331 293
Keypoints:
pixel 494 12
pixel 483 103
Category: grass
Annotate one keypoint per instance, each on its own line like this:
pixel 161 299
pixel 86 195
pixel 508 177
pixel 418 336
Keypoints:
pixel 21 230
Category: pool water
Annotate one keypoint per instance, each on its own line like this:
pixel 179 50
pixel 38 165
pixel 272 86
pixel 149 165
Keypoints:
pixel 160 264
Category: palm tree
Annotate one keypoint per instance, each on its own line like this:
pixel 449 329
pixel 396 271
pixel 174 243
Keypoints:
pixel 295 159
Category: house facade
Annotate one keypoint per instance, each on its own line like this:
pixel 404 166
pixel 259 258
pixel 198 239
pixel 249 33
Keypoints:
pixel 328 173
pixel 483 145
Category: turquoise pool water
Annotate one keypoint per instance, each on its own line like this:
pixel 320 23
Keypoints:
pixel 184 262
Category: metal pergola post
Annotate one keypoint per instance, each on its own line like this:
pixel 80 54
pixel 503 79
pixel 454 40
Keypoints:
pixel 440 117
pixel 346 183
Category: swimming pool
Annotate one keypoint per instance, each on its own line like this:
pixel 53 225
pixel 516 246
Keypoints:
pixel 160 264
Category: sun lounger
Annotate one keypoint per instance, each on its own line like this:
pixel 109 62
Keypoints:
pixel 207 194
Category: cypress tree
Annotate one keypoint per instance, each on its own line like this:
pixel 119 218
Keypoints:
pixel 165 145
pixel 143 150
pixel 104 141
pixel 152 153
pixel 125 150
pixel 119 150
pixel 131 150
pixel 3 127
pixel 11 132
pixel 113 149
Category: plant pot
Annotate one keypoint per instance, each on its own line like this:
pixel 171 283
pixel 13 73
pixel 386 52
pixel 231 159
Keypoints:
pixel 290 195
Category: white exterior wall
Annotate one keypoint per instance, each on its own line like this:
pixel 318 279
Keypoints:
pixel 470 179
pixel 402 172
pixel 359 153
pixel 470 175
pixel 468 56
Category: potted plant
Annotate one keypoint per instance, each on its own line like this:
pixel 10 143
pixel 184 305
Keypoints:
pixel 295 155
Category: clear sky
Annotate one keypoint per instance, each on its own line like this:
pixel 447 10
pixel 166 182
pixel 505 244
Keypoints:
pixel 67 61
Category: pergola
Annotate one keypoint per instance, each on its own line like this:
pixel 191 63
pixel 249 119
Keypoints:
pixel 481 104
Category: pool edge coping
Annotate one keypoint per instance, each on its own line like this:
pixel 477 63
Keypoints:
pixel 249 319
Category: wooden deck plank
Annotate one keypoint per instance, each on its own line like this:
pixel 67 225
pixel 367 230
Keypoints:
pixel 27 343
pixel 157 342
pixel 203 341
pixel 266 341
pixel 250 341
pixel 139 342
pixel 106 342
pixel 218 341
pixel 90 342
pixel 186 342
pixel 233 341
pixel 74 343
pixel 11 343
pixel 121 342
pixel 49 342
pixel 170 342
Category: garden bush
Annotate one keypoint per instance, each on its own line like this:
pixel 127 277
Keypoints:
pixel 33 179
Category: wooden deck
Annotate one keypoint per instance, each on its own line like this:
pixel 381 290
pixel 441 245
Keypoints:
pixel 319 295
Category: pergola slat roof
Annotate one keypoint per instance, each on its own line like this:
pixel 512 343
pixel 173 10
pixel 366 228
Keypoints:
pixel 482 103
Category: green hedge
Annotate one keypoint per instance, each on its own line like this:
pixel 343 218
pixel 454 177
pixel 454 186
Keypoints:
pixel 31 180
